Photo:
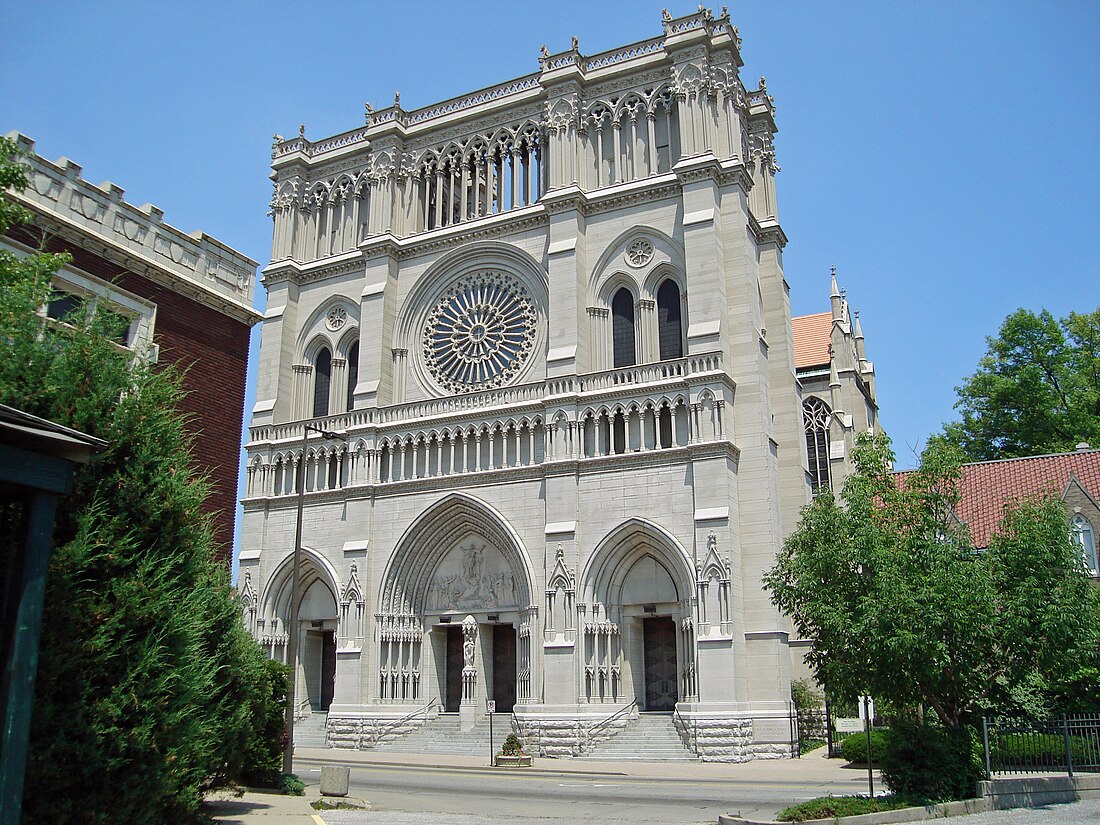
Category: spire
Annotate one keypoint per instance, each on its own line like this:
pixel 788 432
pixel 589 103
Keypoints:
pixel 834 295
pixel 861 351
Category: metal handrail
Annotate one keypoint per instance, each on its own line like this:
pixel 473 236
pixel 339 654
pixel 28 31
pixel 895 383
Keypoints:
pixel 604 723
pixel 381 731
pixel 690 742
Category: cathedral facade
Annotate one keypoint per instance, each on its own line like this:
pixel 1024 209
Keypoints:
pixel 547 329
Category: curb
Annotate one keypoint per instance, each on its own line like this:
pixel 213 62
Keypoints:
pixel 943 809
pixel 533 768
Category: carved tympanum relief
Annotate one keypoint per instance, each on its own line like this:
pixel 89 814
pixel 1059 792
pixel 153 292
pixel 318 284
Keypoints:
pixel 473 576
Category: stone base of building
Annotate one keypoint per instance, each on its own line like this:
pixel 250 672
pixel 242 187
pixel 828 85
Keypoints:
pixel 354 731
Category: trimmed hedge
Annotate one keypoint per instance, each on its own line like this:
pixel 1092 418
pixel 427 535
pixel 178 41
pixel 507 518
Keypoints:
pixel 1035 749
pixel 838 806
pixel 854 747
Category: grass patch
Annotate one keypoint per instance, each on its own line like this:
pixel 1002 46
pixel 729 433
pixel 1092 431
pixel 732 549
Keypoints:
pixel 325 805
pixel 808 745
pixel 828 807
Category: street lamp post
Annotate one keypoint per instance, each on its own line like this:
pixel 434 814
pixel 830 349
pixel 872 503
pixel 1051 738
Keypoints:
pixel 292 640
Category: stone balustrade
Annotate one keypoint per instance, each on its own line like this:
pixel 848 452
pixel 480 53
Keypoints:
pixel 668 405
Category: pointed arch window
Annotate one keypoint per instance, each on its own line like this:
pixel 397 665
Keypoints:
pixel 815 416
pixel 622 328
pixel 1085 538
pixel 322 371
pixel 669 326
pixel 353 374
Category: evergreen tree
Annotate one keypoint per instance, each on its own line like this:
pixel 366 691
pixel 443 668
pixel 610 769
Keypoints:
pixel 149 689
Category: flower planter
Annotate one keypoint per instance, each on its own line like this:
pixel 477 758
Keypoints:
pixel 522 760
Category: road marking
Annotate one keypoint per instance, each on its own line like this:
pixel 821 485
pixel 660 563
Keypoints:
pixel 317 820
pixel 314 770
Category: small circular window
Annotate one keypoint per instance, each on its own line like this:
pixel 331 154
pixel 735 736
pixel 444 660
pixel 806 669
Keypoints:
pixel 480 332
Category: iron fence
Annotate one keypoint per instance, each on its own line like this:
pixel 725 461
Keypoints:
pixel 1070 744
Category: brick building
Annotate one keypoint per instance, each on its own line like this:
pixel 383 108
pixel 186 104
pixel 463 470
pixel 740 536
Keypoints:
pixel 188 298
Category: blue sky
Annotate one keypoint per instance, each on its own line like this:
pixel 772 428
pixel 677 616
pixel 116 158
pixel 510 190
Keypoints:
pixel 945 156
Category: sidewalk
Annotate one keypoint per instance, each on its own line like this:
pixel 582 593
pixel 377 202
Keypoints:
pixel 253 808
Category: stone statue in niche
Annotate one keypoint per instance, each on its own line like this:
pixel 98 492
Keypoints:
pixel 473 576
pixel 469 639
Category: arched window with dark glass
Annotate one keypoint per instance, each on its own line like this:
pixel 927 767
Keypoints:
pixel 669 327
pixel 353 373
pixel 816 415
pixel 622 328
pixel 322 378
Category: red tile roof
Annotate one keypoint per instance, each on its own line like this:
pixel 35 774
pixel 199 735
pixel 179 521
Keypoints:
pixel 812 339
pixel 987 486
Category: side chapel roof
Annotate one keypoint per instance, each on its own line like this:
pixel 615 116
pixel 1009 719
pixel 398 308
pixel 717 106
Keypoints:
pixel 812 339
pixel 987 486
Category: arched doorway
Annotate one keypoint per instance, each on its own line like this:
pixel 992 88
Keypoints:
pixel 638 623
pixel 457 619
pixel 317 624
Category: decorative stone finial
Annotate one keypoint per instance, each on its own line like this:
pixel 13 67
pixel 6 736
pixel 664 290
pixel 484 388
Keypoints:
pixel 763 83
pixel 276 139
pixel 665 16
pixel 368 108
pixel 545 52
pixel 396 99
pixel 301 130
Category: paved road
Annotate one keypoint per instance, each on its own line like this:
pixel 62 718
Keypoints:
pixel 1078 813
pixel 642 794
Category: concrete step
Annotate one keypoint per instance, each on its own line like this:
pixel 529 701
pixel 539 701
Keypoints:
pixel 649 738
pixel 443 734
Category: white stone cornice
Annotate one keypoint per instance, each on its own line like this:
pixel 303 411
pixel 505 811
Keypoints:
pixel 97 219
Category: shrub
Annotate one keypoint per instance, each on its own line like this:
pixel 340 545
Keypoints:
pixel 805 697
pixel 930 762
pixel 262 760
pixel 512 746
pixel 291 785
pixel 828 807
pixel 1026 750
pixel 854 747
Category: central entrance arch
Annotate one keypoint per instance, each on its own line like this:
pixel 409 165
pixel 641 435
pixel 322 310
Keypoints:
pixel 457 613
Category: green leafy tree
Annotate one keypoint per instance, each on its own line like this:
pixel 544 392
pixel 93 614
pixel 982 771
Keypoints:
pixel 1036 390
pixel 900 605
pixel 149 689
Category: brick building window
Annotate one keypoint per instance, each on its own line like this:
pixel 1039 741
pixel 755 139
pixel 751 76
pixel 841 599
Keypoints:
pixel 1085 538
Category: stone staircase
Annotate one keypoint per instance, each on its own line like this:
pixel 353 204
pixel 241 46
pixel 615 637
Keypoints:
pixel 309 731
pixel 652 737
pixel 441 734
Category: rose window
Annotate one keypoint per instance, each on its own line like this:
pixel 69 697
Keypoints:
pixel 480 333
pixel 639 253
pixel 337 317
